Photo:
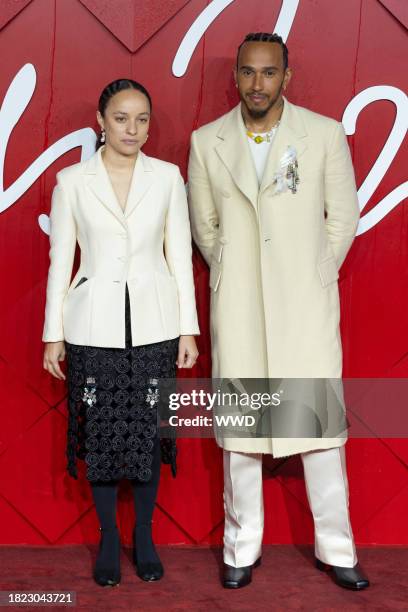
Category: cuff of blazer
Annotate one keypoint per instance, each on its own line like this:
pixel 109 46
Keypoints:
pixel 52 338
pixel 53 330
pixel 189 330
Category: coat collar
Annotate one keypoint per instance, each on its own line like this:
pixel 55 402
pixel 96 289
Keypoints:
pixel 235 153
pixel 99 182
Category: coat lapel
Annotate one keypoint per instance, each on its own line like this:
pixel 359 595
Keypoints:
pixel 234 152
pixel 100 184
pixel 142 180
pixel 291 132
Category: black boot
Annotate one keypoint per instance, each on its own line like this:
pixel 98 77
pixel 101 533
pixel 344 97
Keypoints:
pixel 238 577
pixel 145 557
pixel 107 566
pixel 347 577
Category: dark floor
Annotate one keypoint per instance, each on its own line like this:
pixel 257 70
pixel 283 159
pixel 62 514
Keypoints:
pixel 286 580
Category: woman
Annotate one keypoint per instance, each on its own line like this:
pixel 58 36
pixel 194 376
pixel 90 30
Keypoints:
pixel 126 319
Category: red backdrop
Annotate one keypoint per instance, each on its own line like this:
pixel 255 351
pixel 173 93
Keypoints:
pixel 76 47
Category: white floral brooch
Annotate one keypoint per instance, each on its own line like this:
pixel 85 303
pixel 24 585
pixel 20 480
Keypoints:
pixel 287 176
pixel 89 396
pixel 153 395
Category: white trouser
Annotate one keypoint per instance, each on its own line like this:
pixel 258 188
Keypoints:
pixel 327 492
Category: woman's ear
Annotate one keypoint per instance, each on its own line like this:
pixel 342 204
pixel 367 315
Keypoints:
pixel 99 119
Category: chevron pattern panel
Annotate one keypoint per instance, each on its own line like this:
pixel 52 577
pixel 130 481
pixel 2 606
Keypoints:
pixel 76 47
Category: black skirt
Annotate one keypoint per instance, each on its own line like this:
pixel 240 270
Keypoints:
pixel 113 403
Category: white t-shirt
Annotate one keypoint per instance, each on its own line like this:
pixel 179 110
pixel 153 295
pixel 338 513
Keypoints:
pixel 260 152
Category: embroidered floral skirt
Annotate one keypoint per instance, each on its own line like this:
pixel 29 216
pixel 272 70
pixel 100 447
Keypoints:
pixel 113 402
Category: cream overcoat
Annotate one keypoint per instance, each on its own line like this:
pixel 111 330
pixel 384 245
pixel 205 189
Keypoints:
pixel 274 257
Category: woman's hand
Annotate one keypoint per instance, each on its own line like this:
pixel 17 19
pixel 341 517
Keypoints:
pixel 53 353
pixel 187 352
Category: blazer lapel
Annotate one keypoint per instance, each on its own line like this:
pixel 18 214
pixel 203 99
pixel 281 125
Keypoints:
pixel 100 184
pixel 291 132
pixel 142 180
pixel 235 154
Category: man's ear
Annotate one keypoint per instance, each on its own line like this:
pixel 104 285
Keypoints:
pixel 235 75
pixel 287 78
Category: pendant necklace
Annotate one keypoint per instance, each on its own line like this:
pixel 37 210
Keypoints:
pixel 266 137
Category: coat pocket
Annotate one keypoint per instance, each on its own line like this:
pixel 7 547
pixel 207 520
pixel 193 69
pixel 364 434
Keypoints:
pixel 81 281
pixel 215 275
pixel 217 252
pixel 218 249
pixel 76 311
pixel 328 271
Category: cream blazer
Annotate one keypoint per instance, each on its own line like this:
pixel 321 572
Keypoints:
pixel 148 247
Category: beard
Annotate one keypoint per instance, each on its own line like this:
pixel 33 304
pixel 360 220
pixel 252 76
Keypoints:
pixel 260 113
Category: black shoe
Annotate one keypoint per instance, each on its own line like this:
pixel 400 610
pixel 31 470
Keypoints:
pixel 347 577
pixel 145 557
pixel 238 577
pixel 107 566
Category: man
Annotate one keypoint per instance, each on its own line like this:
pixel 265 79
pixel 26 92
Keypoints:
pixel 274 211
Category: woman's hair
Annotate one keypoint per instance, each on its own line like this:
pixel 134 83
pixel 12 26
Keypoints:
pixel 112 89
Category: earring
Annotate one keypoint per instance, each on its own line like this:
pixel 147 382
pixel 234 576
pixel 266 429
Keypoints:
pixel 103 136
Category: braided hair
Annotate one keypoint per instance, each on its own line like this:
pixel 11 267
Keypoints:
pixel 267 37
pixel 112 89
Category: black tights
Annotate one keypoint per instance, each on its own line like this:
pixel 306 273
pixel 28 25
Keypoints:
pixel 144 494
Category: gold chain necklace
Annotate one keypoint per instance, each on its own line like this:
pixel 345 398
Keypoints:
pixel 267 136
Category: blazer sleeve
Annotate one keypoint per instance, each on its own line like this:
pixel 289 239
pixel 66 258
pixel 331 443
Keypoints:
pixel 62 251
pixel 341 201
pixel 178 252
pixel 203 214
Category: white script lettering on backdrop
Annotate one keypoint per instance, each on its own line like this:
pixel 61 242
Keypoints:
pixel 22 88
pixel 210 14
pixel 15 102
pixel 387 155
